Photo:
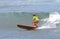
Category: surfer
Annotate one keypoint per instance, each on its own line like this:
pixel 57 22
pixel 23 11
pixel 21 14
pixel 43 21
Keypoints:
pixel 35 20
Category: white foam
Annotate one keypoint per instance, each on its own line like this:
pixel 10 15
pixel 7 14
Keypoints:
pixel 54 17
pixel 46 27
pixel 51 22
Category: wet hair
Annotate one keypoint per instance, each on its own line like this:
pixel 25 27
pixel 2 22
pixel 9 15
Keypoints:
pixel 34 15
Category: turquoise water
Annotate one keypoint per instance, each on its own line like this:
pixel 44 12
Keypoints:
pixel 9 30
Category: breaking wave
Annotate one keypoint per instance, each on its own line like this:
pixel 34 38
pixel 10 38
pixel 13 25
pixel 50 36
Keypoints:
pixel 51 21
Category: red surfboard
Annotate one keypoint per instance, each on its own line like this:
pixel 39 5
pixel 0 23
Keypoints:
pixel 26 27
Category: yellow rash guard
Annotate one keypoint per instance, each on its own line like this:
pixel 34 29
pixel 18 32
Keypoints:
pixel 35 18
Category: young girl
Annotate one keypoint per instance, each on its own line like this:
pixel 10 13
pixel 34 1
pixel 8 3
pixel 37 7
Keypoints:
pixel 35 20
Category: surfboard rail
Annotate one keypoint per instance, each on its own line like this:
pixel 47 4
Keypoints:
pixel 26 27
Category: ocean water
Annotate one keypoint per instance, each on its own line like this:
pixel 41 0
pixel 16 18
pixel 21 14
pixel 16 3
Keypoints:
pixel 49 26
